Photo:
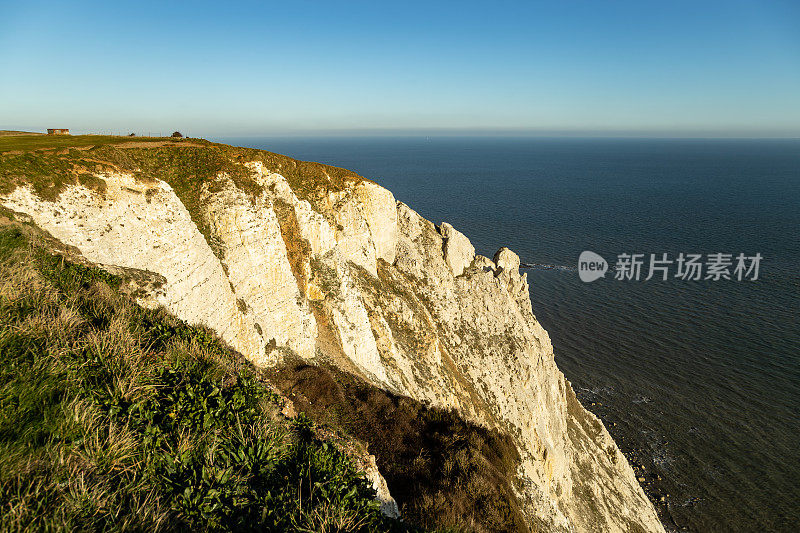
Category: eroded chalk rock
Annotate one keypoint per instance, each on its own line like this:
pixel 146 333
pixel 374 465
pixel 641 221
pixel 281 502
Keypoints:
pixel 388 504
pixel 458 251
pixel 506 259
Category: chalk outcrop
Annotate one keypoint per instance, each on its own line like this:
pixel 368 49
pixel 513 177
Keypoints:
pixel 458 251
pixel 338 271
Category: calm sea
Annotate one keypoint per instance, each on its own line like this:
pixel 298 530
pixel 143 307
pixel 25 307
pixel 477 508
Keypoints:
pixel 699 381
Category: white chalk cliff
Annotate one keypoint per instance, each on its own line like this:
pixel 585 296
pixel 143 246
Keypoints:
pixel 338 271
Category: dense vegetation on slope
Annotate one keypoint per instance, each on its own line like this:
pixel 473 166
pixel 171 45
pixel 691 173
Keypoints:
pixel 116 417
pixel 442 470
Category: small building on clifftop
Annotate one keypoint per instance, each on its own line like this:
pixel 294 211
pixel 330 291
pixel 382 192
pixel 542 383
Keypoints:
pixel 57 131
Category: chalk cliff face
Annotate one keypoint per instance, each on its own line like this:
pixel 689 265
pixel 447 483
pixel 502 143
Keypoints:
pixel 336 270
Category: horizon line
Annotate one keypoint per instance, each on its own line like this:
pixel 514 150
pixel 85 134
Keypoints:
pixel 688 134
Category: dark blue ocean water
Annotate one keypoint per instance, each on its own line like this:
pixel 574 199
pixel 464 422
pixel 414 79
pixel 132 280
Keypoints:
pixel 699 381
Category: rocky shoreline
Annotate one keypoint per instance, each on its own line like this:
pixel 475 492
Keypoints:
pixel 640 460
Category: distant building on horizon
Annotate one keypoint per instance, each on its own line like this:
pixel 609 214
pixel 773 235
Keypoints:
pixel 58 131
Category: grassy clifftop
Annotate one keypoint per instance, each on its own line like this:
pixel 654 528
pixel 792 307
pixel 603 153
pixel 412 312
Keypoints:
pixel 50 163
pixel 43 159
pixel 21 141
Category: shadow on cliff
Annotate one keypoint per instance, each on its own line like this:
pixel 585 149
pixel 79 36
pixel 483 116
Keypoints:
pixel 443 471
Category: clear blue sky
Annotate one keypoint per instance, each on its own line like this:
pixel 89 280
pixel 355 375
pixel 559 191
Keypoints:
pixel 679 68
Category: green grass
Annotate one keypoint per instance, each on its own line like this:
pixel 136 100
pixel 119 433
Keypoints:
pixel 114 417
pixel 50 142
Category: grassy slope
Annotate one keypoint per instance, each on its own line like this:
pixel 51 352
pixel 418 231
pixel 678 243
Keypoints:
pixel 113 417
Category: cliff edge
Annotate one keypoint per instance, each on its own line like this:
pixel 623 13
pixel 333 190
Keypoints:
pixel 288 260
